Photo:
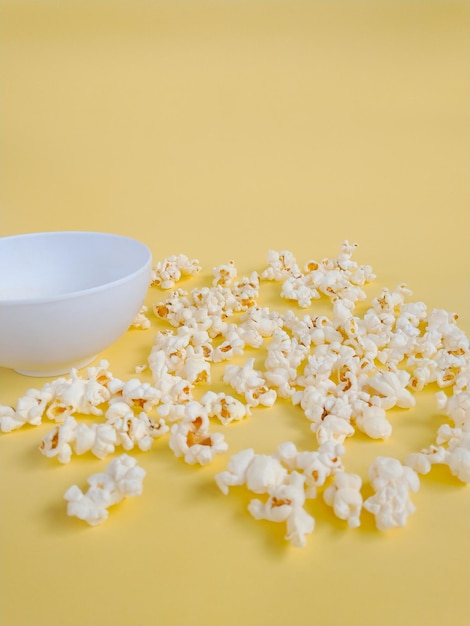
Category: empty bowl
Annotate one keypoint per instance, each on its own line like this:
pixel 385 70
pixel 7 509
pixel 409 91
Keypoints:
pixel 66 296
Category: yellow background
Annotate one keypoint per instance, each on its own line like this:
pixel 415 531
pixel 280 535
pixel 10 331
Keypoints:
pixel 222 130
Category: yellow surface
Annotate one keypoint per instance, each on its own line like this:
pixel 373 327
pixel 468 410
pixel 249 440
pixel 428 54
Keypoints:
pixel 222 130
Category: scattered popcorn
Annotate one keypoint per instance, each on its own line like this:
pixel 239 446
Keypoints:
pixel 343 372
pixel 121 479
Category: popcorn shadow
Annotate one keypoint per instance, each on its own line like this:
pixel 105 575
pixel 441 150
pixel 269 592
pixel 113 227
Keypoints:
pixel 268 536
pixel 55 521
pixel 440 478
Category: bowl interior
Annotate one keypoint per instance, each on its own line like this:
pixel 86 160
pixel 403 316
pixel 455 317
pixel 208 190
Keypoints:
pixel 54 265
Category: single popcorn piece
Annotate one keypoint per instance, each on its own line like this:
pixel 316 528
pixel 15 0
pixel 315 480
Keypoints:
pixel 224 275
pixel 281 265
pixel 298 288
pixel 344 495
pixel 392 483
pixel 141 321
pixel 372 421
pixel 392 388
pixel 135 393
pixel 249 382
pixel 286 504
pixel 224 407
pixel 168 272
pixel 246 291
pixel 58 442
pixel 259 472
pixel 191 437
pixel 122 478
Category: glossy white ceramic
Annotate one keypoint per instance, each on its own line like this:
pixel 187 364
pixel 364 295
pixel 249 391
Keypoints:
pixel 66 296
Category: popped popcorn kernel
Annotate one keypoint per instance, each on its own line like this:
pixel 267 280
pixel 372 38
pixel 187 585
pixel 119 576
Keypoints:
pixel 224 407
pixel 191 438
pixel 392 483
pixel 344 495
pixel 141 320
pixel 286 504
pixel 249 382
pixel 224 275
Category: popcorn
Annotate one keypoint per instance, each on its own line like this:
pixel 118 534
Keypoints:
pixel 191 438
pixel 259 472
pixel 121 479
pixel 286 504
pixel 344 495
pixel 133 430
pixel 456 406
pixel 285 355
pixel 456 454
pixel 8 419
pixel 136 394
pixel 70 436
pixel 318 465
pixel 373 422
pixel 30 408
pixel 391 387
pixel 261 320
pixel 281 265
pixel 298 288
pixel 343 370
pixel 246 291
pixel 175 309
pixel 225 407
pixel 57 443
pixel 168 272
pixel 77 395
pixel 224 275
pixel 392 483
pixel 232 345
pixel 248 382
pixel 141 320
pixel 194 368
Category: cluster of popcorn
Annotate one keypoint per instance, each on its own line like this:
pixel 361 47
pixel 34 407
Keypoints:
pixel 343 372
pixel 122 478
pixel 286 479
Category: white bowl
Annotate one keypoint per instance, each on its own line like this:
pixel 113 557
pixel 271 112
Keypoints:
pixel 66 296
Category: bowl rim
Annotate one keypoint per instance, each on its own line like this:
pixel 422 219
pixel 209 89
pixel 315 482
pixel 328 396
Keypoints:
pixel 69 295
